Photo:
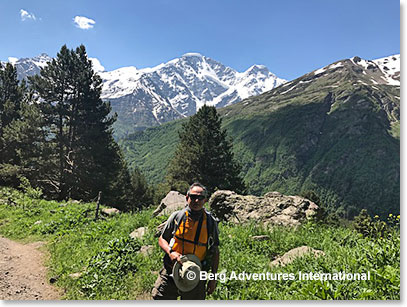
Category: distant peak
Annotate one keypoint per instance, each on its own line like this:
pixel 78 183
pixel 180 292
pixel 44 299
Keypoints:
pixel 42 56
pixel 97 67
pixel 356 59
pixel 12 60
pixel 258 68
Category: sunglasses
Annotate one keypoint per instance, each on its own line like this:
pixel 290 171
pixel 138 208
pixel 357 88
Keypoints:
pixel 196 196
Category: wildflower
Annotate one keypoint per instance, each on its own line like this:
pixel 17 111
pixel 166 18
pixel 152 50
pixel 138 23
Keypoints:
pixel 398 216
pixel 390 215
pixel 376 216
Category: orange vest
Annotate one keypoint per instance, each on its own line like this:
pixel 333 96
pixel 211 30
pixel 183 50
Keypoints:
pixel 185 237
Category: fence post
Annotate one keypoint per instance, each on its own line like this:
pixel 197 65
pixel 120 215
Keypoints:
pixel 97 205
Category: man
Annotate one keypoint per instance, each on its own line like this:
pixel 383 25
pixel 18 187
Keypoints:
pixel 192 230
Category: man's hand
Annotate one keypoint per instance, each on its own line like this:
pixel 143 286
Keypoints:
pixel 175 256
pixel 211 286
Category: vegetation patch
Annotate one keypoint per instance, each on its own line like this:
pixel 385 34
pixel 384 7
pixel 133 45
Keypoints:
pixel 109 264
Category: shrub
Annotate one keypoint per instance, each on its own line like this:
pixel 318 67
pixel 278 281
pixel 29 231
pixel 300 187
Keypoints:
pixel 25 185
pixel 109 266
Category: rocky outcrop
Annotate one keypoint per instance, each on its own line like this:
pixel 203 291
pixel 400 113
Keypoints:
pixel 173 201
pixel 272 208
pixel 295 253
pixel 138 233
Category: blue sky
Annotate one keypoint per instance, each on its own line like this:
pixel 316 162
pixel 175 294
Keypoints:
pixel 290 37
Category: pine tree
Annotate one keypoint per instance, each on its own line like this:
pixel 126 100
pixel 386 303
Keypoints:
pixel 26 138
pixel 56 88
pixel 85 158
pixel 204 154
pixel 11 95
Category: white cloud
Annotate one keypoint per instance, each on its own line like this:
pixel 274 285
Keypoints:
pixel 26 15
pixel 84 22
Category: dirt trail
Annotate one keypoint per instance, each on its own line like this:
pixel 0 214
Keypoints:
pixel 22 272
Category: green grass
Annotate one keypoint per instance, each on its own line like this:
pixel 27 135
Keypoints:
pixel 112 267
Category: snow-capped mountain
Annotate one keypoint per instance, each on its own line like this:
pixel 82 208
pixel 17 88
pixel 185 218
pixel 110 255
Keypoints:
pixel 151 96
pixel 181 86
pixel 32 66
pixel 390 66
pixel 29 66
pixel 380 71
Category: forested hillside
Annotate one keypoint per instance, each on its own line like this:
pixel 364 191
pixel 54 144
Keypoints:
pixel 333 131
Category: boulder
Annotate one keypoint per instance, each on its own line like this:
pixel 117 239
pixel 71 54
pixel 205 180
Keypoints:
pixel 138 233
pixel 172 202
pixel 273 208
pixel 295 253
pixel 110 211
pixel 146 250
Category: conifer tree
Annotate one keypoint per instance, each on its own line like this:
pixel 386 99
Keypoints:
pixel 204 154
pixel 11 95
pixel 56 88
pixel 85 158
pixel 26 139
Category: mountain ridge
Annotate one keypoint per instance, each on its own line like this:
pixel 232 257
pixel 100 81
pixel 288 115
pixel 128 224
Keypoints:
pixel 334 131
pixel 175 89
pixel 182 85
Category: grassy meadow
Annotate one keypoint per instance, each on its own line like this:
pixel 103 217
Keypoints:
pixel 111 265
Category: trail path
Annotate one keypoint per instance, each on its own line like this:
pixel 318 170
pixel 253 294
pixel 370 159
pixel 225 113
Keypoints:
pixel 22 272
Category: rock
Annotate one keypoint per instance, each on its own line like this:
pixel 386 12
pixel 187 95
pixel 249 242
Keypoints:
pixel 260 238
pixel 172 202
pixel 37 222
pixel 138 233
pixel 295 253
pixel 110 211
pixel 273 208
pixel 146 250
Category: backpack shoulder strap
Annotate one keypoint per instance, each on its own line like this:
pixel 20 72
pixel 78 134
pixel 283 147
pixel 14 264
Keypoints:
pixel 178 220
pixel 198 230
pixel 210 222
